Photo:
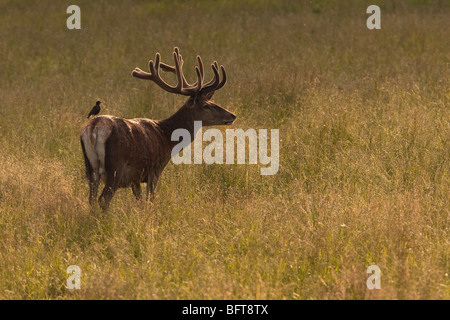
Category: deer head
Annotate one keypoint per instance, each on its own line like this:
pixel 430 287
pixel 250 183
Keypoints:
pixel 199 104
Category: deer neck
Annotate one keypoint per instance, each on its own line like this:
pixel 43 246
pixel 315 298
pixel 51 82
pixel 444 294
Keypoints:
pixel 182 119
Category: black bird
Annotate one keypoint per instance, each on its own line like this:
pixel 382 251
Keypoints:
pixel 95 109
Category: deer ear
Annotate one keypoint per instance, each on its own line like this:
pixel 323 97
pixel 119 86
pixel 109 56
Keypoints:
pixel 191 101
pixel 209 95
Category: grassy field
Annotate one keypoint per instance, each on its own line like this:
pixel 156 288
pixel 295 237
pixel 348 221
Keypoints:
pixel 364 124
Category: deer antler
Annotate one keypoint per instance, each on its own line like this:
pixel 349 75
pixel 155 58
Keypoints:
pixel 214 84
pixel 182 87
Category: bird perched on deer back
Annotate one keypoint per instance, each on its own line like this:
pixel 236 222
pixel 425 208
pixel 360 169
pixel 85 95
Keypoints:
pixel 95 109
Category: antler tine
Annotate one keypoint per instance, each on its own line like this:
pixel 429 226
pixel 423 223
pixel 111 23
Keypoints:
pixel 141 74
pixel 178 71
pixel 215 68
pixel 199 78
pixel 166 67
pixel 200 65
pixel 224 78
pixel 157 62
pixel 180 60
pixel 214 84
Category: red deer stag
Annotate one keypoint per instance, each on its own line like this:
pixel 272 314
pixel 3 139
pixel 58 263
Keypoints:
pixel 127 152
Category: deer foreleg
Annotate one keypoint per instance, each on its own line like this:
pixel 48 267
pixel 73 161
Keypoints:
pixel 151 185
pixel 136 187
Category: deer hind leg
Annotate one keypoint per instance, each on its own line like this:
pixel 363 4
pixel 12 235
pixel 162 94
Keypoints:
pixel 92 173
pixel 93 187
pixel 110 188
pixel 111 185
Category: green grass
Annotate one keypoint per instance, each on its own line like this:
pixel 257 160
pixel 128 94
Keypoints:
pixel 364 124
